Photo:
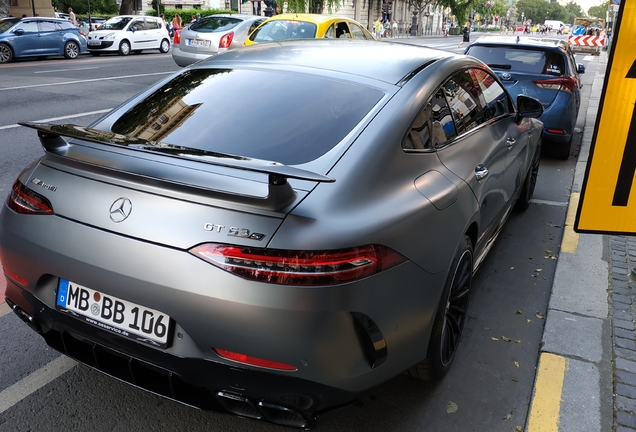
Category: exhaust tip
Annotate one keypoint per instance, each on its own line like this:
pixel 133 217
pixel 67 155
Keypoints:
pixel 28 319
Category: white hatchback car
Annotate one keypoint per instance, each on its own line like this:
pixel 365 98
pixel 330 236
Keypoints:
pixel 129 33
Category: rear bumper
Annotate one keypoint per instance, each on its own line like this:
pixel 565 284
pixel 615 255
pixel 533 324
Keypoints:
pixel 185 58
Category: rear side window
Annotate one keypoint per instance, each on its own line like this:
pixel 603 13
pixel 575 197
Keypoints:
pixel 293 119
pixel 152 24
pixel 518 59
pixel 214 24
pixel 463 93
pixel 432 126
pixel 279 30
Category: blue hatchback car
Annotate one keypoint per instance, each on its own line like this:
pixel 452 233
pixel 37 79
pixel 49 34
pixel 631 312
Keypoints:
pixel 544 69
pixel 39 37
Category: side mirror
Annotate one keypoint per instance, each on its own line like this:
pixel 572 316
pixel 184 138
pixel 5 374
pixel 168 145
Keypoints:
pixel 133 29
pixel 19 32
pixel 528 107
pixel 580 68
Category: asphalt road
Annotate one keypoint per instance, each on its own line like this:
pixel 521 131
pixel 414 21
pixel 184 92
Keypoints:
pixel 488 389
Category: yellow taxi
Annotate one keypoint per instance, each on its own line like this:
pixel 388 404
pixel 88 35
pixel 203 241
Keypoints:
pixel 307 26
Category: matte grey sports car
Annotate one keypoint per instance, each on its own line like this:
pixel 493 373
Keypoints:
pixel 273 268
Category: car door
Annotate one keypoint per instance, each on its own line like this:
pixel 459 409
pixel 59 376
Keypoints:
pixel 27 41
pixel 478 153
pixel 137 34
pixel 51 38
pixel 153 33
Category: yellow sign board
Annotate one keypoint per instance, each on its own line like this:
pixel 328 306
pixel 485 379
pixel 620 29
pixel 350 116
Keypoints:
pixel 608 198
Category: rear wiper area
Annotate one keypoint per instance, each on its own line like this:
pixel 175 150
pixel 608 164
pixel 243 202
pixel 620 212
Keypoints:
pixel 499 66
pixel 50 137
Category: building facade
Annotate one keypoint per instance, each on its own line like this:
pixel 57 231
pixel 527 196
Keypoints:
pixel 17 8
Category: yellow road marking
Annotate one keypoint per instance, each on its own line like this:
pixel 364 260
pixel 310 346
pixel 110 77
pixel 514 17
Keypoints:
pixel 546 403
pixel 570 239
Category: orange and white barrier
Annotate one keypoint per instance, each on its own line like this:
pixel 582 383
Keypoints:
pixel 590 41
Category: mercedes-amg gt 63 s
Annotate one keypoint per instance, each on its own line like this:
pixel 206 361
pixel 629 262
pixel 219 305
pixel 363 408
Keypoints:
pixel 276 229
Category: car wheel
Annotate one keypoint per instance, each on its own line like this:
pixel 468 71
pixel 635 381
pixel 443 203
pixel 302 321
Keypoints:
pixel 124 48
pixel 561 150
pixel 529 184
pixel 165 46
pixel 71 50
pixel 5 53
pixel 450 317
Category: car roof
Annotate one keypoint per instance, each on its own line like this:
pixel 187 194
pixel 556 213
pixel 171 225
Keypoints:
pixel 348 56
pixel 315 18
pixel 518 41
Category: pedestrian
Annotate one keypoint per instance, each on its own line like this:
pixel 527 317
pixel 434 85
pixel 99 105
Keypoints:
pixel 445 29
pixel 83 28
pixel 193 19
pixel 395 28
pixel 378 28
pixel 177 22
pixel 466 35
pixel 71 16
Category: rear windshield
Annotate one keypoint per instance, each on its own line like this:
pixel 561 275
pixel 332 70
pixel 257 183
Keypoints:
pixel 280 29
pixel 291 119
pixel 517 59
pixel 214 24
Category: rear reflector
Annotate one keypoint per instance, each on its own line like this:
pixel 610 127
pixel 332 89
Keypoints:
pixel 254 361
pixel 15 277
pixel 24 201
pixel 305 268
pixel 556 131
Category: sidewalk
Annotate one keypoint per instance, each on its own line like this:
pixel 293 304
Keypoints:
pixel 586 377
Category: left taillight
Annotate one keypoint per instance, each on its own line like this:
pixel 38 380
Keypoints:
pixel 24 201
pixel 304 268
pixel 226 40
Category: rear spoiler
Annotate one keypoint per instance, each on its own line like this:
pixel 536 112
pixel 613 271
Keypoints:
pixel 50 137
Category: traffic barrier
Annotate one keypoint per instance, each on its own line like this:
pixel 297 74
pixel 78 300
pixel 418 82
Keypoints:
pixel 591 41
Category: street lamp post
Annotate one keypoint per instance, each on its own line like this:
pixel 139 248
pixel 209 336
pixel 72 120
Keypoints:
pixel 414 24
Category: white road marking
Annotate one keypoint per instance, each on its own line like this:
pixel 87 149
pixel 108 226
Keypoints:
pixel 31 383
pixel 59 118
pixel 65 70
pixel 84 81
pixel 552 203
pixel 4 309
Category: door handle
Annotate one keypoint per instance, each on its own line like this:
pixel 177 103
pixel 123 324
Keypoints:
pixel 480 172
pixel 510 142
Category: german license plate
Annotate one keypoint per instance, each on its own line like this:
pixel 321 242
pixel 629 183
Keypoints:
pixel 114 314
pixel 198 42
pixel 92 42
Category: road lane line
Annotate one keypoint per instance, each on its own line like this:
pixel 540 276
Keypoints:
pixel 570 238
pixel 65 70
pixel 60 118
pixel 85 81
pixel 546 402
pixel 31 383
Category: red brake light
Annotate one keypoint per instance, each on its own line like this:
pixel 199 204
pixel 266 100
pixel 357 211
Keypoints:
pixel 226 40
pixel 24 201
pixel 565 83
pixel 254 361
pixel 305 268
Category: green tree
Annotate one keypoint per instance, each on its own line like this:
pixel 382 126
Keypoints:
pixel 598 11
pixel 460 8
pixel 533 10
pixel 572 10
pixel 315 6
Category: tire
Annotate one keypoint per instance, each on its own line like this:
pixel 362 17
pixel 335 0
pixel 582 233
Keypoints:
pixel 450 318
pixel 124 48
pixel 6 54
pixel 561 150
pixel 71 50
pixel 527 191
pixel 165 46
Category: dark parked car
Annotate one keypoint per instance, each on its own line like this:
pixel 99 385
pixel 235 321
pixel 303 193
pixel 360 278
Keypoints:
pixel 541 68
pixel 277 271
pixel 39 37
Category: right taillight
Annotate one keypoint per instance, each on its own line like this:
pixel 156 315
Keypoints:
pixel 24 201
pixel 305 268
pixel 566 83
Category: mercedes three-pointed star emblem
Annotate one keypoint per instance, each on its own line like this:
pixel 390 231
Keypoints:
pixel 120 210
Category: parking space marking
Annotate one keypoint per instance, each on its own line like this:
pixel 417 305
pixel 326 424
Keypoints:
pixel 60 118
pixel 31 383
pixel 85 81
pixel 552 203
pixel 546 402
pixel 570 238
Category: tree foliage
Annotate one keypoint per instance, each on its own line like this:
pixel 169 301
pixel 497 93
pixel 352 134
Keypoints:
pixel 460 8
pixel 80 7
pixel 599 11
pixel 572 10
pixel 314 6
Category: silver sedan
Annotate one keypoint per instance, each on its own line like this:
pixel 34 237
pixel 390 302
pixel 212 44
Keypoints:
pixel 276 256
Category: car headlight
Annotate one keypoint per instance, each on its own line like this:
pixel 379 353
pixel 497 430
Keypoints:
pixel 110 36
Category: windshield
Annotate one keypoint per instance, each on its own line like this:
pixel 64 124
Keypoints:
pixel 279 30
pixel 117 23
pixel 6 24
pixel 518 59
pixel 293 119
pixel 214 24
